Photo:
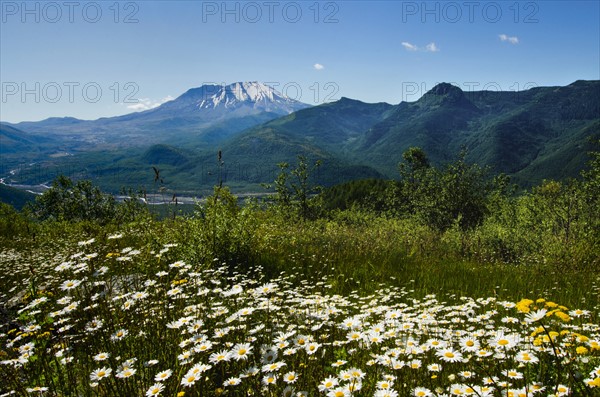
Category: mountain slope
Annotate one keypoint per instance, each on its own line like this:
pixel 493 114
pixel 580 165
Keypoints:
pixel 535 134
pixel 15 197
pixel 185 119
pixel 505 130
pixel 431 123
pixel 333 126
pixel 324 132
pixel 13 140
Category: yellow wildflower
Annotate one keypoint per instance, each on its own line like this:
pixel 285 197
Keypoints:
pixel 593 382
pixel 523 305
pixel 581 338
pixel 563 316
pixel 537 331
pixel 581 350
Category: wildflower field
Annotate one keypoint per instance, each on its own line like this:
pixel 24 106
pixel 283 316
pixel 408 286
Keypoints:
pixel 102 318
pixel 442 290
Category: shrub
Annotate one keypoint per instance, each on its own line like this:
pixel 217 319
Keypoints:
pixel 69 201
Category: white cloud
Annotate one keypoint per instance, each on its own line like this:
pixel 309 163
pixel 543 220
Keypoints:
pixel 510 39
pixel 431 47
pixel 318 66
pixel 147 103
pixel 409 46
pixel 137 107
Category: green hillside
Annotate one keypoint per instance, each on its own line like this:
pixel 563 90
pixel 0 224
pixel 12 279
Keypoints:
pixel 15 197
pixel 508 131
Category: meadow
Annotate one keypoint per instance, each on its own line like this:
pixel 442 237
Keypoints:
pixel 288 299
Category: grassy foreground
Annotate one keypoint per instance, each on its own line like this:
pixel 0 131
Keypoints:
pixel 443 283
pixel 243 302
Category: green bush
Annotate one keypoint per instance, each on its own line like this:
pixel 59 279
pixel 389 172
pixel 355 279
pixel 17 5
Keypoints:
pixel 458 192
pixel 12 223
pixel 295 194
pixel 221 229
pixel 69 201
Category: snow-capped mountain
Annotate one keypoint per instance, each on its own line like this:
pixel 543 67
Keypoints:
pixel 250 95
pixel 257 93
pixel 210 111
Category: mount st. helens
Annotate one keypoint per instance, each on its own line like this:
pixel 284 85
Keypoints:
pixel 205 114
pixel 535 134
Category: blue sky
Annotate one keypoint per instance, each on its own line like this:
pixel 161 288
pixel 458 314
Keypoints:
pixel 97 59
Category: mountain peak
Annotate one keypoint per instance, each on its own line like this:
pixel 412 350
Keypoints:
pixel 242 92
pixel 445 94
pixel 445 89
pixel 347 100
pixel 240 95
pixel 253 93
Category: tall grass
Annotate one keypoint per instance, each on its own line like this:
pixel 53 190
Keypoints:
pixel 355 303
pixel 108 319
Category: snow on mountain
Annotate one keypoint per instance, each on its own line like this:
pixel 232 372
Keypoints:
pixel 254 94
pixel 226 108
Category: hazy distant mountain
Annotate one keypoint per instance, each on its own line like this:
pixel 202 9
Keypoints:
pixel 13 140
pixel 21 146
pixel 206 114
